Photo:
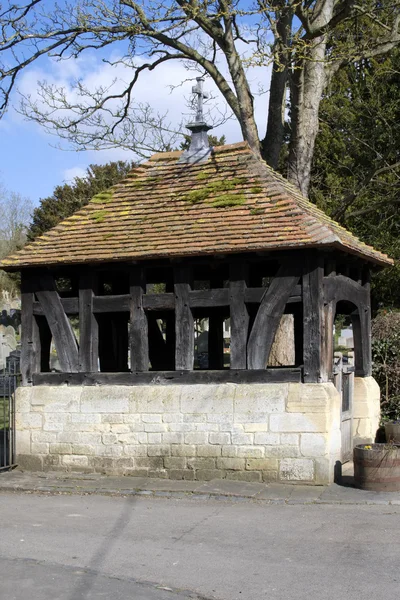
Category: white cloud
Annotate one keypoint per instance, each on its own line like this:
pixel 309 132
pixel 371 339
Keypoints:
pixel 165 89
pixel 70 174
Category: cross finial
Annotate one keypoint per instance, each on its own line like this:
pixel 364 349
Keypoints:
pixel 199 149
pixel 201 95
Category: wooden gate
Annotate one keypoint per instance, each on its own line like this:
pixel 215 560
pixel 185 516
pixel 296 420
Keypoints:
pixel 343 373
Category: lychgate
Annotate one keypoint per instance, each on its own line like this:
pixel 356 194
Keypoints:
pixel 209 237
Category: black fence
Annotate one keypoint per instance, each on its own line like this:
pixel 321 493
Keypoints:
pixel 9 381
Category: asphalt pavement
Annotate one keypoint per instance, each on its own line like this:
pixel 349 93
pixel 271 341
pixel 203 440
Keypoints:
pixel 63 545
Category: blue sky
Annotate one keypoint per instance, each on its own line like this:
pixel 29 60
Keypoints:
pixel 30 162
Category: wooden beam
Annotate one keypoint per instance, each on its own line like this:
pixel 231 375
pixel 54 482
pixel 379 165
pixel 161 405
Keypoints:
pixel 88 325
pixel 269 315
pixel 239 316
pixel 139 335
pixel 338 288
pixel 61 330
pixel 281 375
pixel 70 306
pixel 30 340
pixel 313 275
pixel 184 325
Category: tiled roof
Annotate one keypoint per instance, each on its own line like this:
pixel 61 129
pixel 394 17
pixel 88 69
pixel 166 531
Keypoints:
pixel 233 202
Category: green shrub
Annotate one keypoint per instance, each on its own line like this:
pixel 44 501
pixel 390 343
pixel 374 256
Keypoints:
pixel 386 361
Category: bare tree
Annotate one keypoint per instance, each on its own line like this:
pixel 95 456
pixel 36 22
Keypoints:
pixel 306 41
pixel 15 214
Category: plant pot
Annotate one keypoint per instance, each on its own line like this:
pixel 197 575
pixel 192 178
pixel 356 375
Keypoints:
pixel 392 431
pixel 377 467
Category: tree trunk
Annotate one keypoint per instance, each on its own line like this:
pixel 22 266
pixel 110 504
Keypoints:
pixel 307 84
pixel 272 143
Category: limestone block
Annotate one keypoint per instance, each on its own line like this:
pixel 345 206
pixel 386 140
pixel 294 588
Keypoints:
pixel 230 451
pixel 151 418
pixel 71 437
pixel 269 476
pixel 195 418
pixel 366 409
pixel 115 450
pixel 30 462
pixel 157 399
pixel 256 427
pixel 212 427
pixel 53 427
pixel 296 469
pixel 155 427
pixel 125 438
pixel 202 463
pixel 207 398
pixel 282 451
pixel 261 464
pixel 29 421
pixel 23 399
pixel 259 397
pixel 175 462
pixel 185 427
pixel 208 450
pixel 75 461
pixel 309 397
pixel 39 448
pixel 172 438
pixel 196 438
pixel 42 395
pixel 251 417
pixel 105 399
pixel 156 450
pixel 242 439
pixel 231 464
pixel 269 439
pixel 290 439
pixel 250 452
pixel 23 442
pixel 172 418
pixel 188 450
pixel 314 444
pixel 135 450
pixel 60 448
pixel 154 438
pixel 83 449
pixel 119 428
pixel 132 419
pixel 222 420
pixel 219 438
pixel 324 470
pixel 42 436
pixel 298 422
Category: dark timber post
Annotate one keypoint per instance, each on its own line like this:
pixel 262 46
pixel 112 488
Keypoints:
pixel 88 326
pixel 361 322
pixel 184 324
pixel 312 317
pixel 239 315
pixel 139 338
pixel 30 341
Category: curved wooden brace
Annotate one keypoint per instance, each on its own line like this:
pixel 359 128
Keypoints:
pixel 60 326
pixel 341 288
pixel 269 315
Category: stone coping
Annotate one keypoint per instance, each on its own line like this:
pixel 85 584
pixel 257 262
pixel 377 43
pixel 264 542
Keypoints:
pixel 273 493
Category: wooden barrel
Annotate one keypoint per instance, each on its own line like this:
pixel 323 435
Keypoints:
pixel 377 467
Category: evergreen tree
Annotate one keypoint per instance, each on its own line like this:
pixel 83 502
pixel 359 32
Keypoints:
pixel 356 172
pixel 70 197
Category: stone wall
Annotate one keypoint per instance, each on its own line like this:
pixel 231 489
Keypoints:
pixel 257 432
pixel 366 410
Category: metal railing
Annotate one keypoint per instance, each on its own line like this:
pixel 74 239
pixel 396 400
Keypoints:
pixel 9 381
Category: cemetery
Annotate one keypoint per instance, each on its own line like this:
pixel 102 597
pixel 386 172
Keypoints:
pixel 211 236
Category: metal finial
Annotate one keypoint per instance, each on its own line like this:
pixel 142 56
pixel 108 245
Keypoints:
pixel 199 149
pixel 201 95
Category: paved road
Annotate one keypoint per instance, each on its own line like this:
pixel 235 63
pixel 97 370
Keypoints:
pixel 95 547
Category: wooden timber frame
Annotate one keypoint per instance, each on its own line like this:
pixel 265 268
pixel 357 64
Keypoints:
pixel 117 308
